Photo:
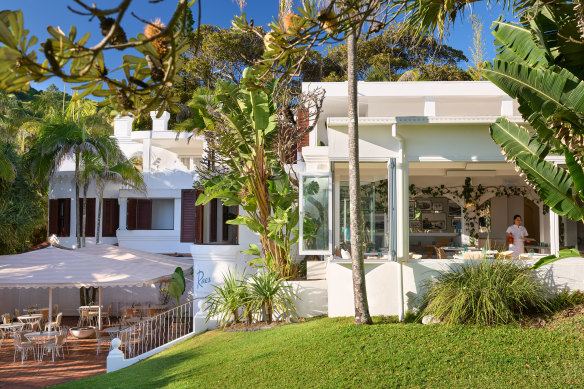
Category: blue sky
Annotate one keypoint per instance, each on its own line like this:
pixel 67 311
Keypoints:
pixel 38 14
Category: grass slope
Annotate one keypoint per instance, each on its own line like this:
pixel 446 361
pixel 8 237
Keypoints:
pixel 335 353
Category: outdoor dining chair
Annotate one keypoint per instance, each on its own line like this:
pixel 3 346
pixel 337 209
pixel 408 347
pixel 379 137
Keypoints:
pixel 23 347
pixel 84 318
pixel 100 340
pixel 55 324
pixel 65 331
pixel 45 313
pixel 440 252
pixel 6 318
pixel 55 345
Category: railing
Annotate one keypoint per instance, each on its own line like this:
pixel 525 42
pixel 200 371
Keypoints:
pixel 157 331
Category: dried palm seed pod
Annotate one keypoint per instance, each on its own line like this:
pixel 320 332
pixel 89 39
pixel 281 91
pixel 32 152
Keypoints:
pixel 119 35
pixel 160 43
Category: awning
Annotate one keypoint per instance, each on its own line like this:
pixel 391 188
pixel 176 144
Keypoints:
pixel 95 265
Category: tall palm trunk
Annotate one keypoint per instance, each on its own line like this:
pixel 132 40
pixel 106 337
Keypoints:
pixel 99 208
pixel 359 289
pixel 77 214
pixel 84 219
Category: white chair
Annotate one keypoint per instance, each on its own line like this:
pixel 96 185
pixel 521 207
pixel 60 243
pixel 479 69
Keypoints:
pixel 54 346
pixel 84 318
pixel 65 331
pixel 100 340
pixel 6 318
pixel 56 325
pixel 23 347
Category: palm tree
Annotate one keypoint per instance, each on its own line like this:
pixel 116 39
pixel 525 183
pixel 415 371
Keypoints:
pixel 123 171
pixel 7 169
pixel 62 139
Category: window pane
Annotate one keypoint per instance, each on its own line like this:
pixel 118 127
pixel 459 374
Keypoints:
pixel 163 214
pixel 315 210
pixel 374 215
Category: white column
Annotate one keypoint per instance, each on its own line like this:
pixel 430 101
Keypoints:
pixel 161 123
pixel 123 201
pixel 50 308
pixel 554 233
pixel 99 307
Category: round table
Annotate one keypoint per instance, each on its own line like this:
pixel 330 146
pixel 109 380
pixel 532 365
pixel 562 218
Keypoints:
pixel 114 331
pixel 40 338
pixel 12 327
pixel 133 320
pixel 30 319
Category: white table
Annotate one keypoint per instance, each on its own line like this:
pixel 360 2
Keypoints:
pixel 30 319
pixel 12 327
pixel 114 331
pixel 40 338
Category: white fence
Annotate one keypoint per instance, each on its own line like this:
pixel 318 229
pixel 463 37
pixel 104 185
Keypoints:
pixel 151 336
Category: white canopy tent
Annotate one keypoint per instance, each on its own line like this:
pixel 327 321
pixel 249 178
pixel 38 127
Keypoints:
pixel 92 266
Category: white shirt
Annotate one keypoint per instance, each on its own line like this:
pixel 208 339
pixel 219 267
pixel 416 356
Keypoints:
pixel 518 232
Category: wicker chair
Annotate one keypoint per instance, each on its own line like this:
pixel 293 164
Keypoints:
pixel 56 324
pixel 56 345
pixel 440 253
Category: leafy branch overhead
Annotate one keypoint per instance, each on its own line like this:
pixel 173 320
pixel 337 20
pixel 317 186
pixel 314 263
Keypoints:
pixel 539 64
pixel 141 83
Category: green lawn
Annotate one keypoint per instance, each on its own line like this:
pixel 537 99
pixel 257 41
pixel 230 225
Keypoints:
pixel 335 353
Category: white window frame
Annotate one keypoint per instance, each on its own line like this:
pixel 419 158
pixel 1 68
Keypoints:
pixel 301 249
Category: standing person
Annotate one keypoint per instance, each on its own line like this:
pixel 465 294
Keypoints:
pixel 517 233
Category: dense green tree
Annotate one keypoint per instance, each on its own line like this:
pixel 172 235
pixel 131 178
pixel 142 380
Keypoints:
pixel 393 53
pixel 22 205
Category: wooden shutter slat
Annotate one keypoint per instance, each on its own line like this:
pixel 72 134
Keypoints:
pixel 199 220
pixel 213 220
pixel 188 215
pixel 131 214
pixel 111 217
pixel 53 217
pixel 106 218
pixel 144 214
pixel 66 218
pixel 89 215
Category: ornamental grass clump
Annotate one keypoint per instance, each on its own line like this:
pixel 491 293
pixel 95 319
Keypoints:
pixel 486 292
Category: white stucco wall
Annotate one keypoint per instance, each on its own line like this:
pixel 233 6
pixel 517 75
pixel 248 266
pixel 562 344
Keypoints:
pixel 383 286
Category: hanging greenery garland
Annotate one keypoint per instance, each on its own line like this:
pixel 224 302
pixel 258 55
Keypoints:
pixel 473 198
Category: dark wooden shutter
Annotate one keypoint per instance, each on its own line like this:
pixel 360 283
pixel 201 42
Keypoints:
pixel 89 215
pixel 213 220
pixel 131 214
pixel 65 216
pixel 53 217
pixel 187 215
pixel 199 220
pixel 144 214
pixel 111 217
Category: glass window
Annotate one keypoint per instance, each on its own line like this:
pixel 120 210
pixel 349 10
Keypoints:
pixel 374 215
pixel 315 214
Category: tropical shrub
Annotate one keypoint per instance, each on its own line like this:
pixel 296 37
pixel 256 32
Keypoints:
pixel 250 296
pixel 241 127
pixel 486 292
pixel 226 301
pixel 272 295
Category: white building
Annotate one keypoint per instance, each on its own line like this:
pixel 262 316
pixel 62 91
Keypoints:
pixel 431 176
